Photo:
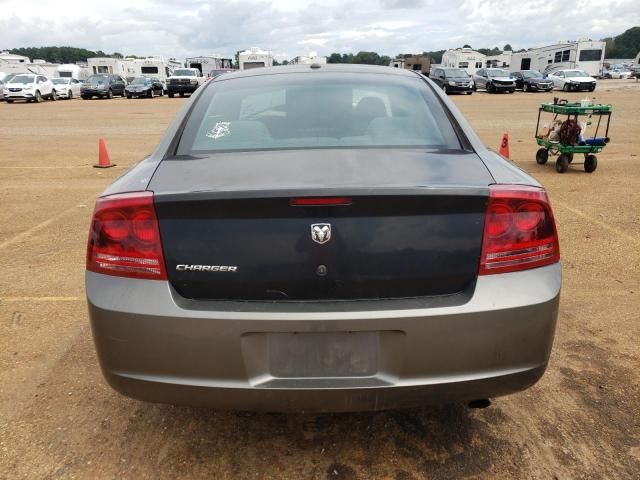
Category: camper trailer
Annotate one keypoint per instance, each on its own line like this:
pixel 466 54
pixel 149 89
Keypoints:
pixel 70 70
pixel 312 58
pixel 254 58
pixel 583 55
pixel 125 67
pixel 208 64
pixel 153 67
pixel 464 58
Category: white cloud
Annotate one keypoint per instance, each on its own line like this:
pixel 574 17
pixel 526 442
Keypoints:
pixel 181 28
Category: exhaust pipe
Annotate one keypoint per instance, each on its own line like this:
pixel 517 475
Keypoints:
pixel 480 403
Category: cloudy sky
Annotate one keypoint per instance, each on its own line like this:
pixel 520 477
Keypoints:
pixel 288 28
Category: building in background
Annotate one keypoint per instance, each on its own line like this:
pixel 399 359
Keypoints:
pixel 584 55
pixel 397 63
pixel 465 58
pixel 418 63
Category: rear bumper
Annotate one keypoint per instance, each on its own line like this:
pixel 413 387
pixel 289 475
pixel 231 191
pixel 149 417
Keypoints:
pixel 458 89
pixel 155 346
pixel 94 92
pixel 541 88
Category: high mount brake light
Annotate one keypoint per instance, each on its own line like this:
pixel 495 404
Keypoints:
pixel 124 238
pixel 319 201
pixel 519 231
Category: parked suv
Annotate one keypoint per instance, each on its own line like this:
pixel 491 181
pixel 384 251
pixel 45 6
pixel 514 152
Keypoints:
pixel 103 86
pixel 532 80
pixel 494 80
pixel 29 87
pixel 184 80
pixel 453 80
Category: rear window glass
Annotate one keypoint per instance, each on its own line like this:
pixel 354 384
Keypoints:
pixel 316 110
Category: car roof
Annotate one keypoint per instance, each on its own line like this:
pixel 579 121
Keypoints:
pixel 331 67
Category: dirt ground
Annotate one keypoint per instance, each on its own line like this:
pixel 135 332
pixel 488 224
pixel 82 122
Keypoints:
pixel 58 418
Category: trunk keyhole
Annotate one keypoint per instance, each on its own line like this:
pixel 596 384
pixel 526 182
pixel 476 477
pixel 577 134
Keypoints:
pixel 322 270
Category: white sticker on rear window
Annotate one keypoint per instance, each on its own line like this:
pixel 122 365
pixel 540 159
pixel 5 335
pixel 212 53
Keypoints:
pixel 219 130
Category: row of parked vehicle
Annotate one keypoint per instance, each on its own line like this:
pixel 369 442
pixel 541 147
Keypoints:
pixel 31 87
pixel 496 80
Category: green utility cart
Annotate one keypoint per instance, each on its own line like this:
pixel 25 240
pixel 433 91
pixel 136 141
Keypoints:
pixel 587 146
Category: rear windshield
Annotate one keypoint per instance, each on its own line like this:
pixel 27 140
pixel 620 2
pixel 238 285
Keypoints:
pixel 316 110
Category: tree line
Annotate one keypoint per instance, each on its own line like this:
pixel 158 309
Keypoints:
pixel 62 54
pixel 625 45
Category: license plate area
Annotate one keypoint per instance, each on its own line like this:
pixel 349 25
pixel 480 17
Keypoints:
pixel 323 359
pixel 322 355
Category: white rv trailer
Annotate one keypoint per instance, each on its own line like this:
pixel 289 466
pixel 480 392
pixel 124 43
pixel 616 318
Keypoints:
pixel 174 63
pixel 502 60
pixel 464 58
pixel 71 70
pixel 10 63
pixel 208 64
pixel 42 67
pixel 124 67
pixel 153 67
pixel 254 58
pixel 584 55
pixel 312 58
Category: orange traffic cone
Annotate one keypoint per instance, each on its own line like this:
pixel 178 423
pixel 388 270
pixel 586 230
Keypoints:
pixel 103 156
pixel 504 146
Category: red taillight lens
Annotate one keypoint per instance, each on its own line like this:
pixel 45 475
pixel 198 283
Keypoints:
pixel 124 238
pixel 519 231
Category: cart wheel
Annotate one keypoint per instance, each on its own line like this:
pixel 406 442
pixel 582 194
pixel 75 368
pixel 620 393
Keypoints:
pixel 542 155
pixel 590 163
pixel 562 164
pixel 569 156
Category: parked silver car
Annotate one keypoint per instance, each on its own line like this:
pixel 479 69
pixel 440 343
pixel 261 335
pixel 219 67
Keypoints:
pixel 329 238
pixel 494 80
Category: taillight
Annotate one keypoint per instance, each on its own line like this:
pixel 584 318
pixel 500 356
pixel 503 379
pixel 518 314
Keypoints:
pixel 519 231
pixel 124 238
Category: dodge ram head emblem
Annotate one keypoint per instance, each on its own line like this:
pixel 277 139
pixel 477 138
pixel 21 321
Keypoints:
pixel 321 232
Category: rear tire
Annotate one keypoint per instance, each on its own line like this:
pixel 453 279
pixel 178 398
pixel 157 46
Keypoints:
pixel 54 96
pixel 562 164
pixel 9 101
pixel 170 94
pixel 591 89
pixel 590 163
pixel 490 88
pixel 181 94
pixel 542 155
pixel 469 93
pixel 128 96
pixel 565 87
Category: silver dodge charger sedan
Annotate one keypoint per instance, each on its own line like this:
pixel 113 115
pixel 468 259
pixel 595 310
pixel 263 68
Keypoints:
pixel 322 238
